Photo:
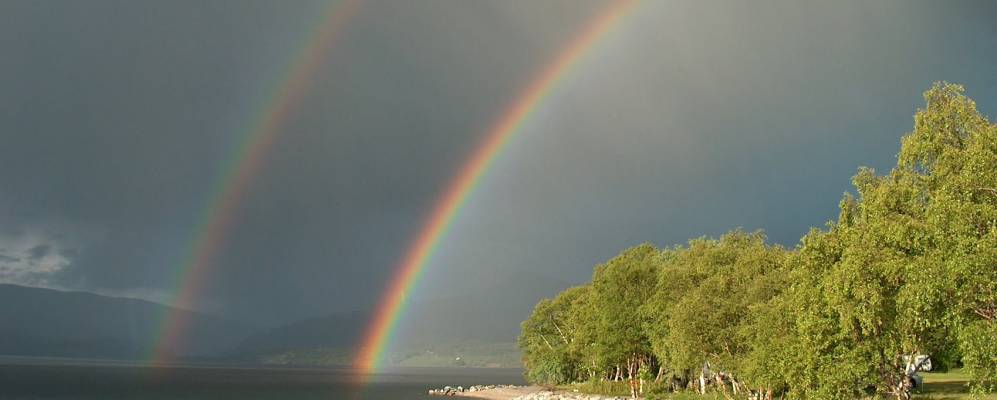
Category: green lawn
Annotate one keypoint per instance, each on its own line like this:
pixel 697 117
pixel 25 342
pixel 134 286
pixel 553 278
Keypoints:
pixel 947 386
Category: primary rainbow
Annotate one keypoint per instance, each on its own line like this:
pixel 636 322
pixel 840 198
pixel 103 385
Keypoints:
pixel 240 168
pixel 382 325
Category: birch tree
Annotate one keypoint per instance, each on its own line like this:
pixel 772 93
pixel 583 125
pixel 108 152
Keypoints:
pixel 620 288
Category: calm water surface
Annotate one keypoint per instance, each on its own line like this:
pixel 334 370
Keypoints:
pixel 69 379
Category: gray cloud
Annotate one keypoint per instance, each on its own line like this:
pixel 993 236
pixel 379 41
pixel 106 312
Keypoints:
pixel 38 252
pixel 26 258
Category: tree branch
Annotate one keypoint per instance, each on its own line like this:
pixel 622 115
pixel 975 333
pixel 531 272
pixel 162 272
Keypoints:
pixel 560 332
pixel 987 189
pixel 545 341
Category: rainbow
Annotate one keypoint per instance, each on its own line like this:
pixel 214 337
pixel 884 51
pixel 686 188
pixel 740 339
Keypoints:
pixel 420 252
pixel 240 168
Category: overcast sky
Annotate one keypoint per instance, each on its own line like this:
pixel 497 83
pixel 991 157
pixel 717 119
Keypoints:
pixel 688 119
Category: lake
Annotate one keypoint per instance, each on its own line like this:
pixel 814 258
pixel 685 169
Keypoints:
pixel 30 378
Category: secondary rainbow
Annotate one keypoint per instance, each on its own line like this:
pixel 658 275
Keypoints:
pixel 240 168
pixel 420 252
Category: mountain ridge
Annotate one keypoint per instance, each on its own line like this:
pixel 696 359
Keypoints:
pixel 58 323
pixel 432 329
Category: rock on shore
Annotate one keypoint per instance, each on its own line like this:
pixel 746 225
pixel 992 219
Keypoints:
pixel 460 390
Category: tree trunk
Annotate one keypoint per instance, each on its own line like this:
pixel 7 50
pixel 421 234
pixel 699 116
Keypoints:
pixel 632 364
pixel 723 387
pixel 898 382
pixel 903 389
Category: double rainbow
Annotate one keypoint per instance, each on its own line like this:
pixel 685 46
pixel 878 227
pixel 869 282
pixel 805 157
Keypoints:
pixel 381 327
pixel 246 161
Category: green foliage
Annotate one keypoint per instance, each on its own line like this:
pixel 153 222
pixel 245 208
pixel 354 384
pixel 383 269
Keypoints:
pixel 978 342
pixel 731 275
pixel 546 339
pixel 908 268
pixel 619 289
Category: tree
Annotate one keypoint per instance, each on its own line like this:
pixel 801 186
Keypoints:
pixel 594 357
pixel 909 268
pixel 705 324
pixel 619 289
pixel 825 359
pixel 951 156
pixel 546 339
pixel 912 242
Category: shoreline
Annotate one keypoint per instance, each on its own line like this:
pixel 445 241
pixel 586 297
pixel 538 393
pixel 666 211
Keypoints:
pixel 491 392
pixel 501 393
pixel 513 392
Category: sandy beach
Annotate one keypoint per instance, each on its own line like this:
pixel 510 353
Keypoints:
pixel 504 393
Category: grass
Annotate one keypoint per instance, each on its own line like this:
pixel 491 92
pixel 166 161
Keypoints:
pixel 609 388
pixel 950 385
pixel 602 388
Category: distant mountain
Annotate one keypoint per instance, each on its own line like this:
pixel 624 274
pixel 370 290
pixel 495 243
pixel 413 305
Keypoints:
pixel 476 324
pixel 46 322
pixel 339 331
pixel 491 314
pixel 471 321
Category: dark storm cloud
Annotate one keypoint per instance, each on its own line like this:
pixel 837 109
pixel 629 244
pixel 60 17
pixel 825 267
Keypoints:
pixel 116 118
pixel 39 251
pixel 124 113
